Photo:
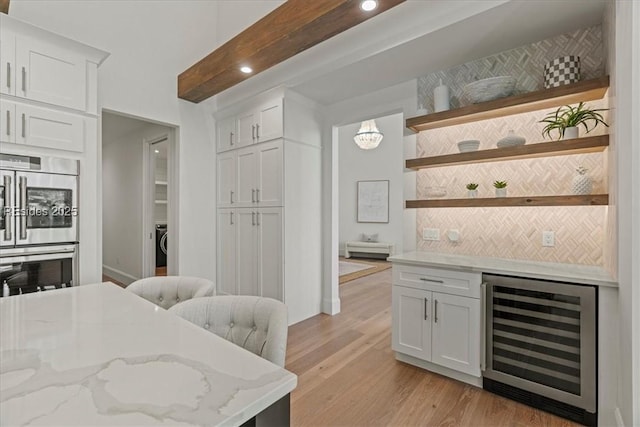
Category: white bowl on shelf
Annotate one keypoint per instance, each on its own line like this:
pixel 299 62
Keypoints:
pixel 489 89
pixel 468 145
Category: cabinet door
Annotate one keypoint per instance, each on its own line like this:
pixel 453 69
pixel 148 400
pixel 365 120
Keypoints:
pixel 227 251
pixel 246 128
pixel 50 74
pixel 43 127
pixel 227 179
pixel 247 252
pixel 7 121
pixel 456 333
pixel 226 136
pixel 411 332
pixel 270 124
pixel 270 181
pixel 247 177
pixel 270 261
pixel 7 63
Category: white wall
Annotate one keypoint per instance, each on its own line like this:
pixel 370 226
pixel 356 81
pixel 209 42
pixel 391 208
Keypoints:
pixel 148 51
pixel 122 188
pixel 382 163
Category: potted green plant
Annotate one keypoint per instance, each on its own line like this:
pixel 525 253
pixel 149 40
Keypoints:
pixel 566 120
pixel 501 188
pixel 473 189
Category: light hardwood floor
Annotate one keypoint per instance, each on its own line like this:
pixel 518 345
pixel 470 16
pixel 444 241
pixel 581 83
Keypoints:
pixel 348 376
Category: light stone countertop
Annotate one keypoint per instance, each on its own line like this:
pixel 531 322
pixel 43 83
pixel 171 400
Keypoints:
pixel 100 355
pixel 573 273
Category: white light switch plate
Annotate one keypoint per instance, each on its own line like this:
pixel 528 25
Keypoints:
pixel 431 234
pixel 548 239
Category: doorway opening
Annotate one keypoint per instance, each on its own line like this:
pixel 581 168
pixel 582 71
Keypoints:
pixel 139 164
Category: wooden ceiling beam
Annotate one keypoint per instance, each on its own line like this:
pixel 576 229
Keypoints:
pixel 4 6
pixel 293 27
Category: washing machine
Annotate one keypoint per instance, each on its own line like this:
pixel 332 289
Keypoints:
pixel 161 245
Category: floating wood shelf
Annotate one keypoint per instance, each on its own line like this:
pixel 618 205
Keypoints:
pixel 591 144
pixel 587 90
pixel 567 200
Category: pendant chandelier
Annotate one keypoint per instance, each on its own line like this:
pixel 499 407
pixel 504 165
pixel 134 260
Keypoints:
pixel 368 137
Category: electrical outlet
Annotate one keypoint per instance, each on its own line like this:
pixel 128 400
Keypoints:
pixel 453 235
pixel 548 239
pixel 431 234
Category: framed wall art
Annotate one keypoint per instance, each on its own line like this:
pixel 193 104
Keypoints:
pixel 373 201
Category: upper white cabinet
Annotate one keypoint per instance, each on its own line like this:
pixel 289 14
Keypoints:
pixel 7 63
pixel 259 175
pixel 227 179
pixel 251 126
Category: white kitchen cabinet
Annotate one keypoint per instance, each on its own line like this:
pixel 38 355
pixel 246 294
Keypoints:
pixel 247 176
pixel 227 179
pixel 246 128
pixel 270 123
pixel 226 136
pixel 7 121
pixel 49 128
pixel 7 63
pixel 247 253
pixel 437 317
pixel 259 175
pixel 227 244
pixel 270 254
pixel 254 125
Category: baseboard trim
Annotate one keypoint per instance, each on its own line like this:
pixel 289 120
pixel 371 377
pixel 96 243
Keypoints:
pixel 450 373
pixel 331 306
pixel 119 275
pixel 618 415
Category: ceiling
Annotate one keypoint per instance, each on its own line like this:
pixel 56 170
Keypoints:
pixel 414 39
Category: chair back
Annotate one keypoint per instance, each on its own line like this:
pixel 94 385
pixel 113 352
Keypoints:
pixel 167 291
pixel 254 323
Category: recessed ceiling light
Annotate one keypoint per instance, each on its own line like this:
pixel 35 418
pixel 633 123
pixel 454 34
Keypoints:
pixel 368 5
pixel 246 69
pixel 157 151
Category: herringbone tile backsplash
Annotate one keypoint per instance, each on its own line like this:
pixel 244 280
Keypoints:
pixel 517 232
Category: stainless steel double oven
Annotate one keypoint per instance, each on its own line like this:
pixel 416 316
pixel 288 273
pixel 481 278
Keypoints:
pixel 38 223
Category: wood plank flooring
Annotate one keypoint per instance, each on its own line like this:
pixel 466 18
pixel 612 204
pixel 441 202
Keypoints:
pixel 348 375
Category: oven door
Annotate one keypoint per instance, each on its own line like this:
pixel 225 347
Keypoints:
pixel 7 208
pixel 48 206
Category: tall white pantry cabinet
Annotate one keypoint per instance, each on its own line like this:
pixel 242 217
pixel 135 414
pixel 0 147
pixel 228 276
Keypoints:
pixel 49 107
pixel 269 201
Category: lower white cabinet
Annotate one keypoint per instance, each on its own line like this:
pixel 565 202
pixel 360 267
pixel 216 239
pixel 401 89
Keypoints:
pixel 250 245
pixel 437 327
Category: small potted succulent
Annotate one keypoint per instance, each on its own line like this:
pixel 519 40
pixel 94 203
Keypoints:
pixel 566 120
pixel 501 188
pixel 472 188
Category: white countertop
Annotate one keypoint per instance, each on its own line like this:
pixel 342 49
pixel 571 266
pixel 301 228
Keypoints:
pixel 100 355
pixel 584 274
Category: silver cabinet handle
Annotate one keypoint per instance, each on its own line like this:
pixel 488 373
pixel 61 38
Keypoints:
pixel 258 195
pixel 231 218
pixel 231 196
pixel 253 132
pixel 258 218
pixel 24 125
pixel 426 303
pixel 253 195
pixel 24 79
pixel 435 310
pixel 230 138
pixel 253 218
pixel 8 122
pixel 483 326
pixel 8 207
pixel 257 131
pixel 23 207
pixel 424 279
pixel 8 74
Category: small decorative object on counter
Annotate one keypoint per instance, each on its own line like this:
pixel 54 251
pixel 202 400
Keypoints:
pixel 489 89
pixel 441 98
pixel 511 140
pixel 567 117
pixel 421 111
pixel 582 183
pixel 468 145
pixel 501 188
pixel 562 71
pixel 472 188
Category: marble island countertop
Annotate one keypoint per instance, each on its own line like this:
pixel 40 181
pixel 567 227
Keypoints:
pixel 584 274
pixel 99 355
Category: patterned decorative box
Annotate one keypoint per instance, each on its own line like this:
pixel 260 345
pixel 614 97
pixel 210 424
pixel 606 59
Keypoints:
pixel 562 71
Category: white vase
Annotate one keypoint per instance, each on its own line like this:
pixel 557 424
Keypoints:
pixel 472 194
pixel 582 183
pixel 501 192
pixel 571 133
pixel 441 98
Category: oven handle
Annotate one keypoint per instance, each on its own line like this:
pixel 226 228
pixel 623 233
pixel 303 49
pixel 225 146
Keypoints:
pixel 36 257
pixel 8 209
pixel 23 207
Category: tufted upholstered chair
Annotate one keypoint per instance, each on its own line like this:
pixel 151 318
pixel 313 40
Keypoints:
pixel 254 323
pixel 166 291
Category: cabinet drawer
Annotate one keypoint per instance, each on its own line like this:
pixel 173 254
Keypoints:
pixel 43 127
pixel 452 282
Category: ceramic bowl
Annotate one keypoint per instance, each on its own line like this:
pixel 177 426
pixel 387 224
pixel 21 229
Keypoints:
pixel 511 140
pixel 468 145
pixel 489 89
